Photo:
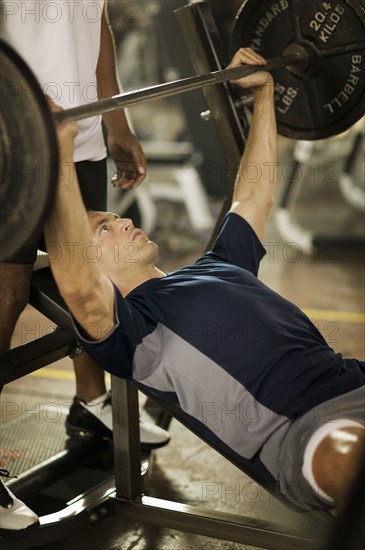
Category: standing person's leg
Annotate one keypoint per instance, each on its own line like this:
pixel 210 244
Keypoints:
pixel 14 294
pixel 90 415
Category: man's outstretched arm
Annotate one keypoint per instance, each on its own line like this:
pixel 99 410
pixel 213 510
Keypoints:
pixel 256 179
pixel 88 293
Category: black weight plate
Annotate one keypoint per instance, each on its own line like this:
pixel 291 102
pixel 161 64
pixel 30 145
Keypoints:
pixel 29 154
pixel 328 98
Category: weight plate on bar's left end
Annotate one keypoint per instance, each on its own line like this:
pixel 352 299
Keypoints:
pixel 29 154
pixel 327 98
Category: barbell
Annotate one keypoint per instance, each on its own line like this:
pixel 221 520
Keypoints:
pixel 317 97
pixel 180 86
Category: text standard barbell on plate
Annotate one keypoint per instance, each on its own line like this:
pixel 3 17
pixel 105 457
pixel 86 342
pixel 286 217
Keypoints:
pixel 315 49
pixel 326 97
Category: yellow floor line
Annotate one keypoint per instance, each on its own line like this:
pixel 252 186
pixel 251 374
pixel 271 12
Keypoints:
pixel 59 374
pixel 330 315
pixel 53 373
pixel 325 314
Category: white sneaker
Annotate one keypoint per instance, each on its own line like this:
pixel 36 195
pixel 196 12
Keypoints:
pixel 14 514
pixel 152 436
pixel 92 421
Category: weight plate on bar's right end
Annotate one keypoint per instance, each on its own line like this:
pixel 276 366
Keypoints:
pixel 326 98
pixel 28 153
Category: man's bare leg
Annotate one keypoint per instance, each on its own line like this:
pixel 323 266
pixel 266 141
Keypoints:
pixel 90 379
pixel 14 294
pixel 336 462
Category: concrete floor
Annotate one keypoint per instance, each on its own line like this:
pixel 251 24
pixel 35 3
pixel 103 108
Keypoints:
pixel 329 286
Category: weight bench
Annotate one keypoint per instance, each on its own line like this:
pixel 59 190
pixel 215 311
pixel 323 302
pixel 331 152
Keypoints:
pixel 122 495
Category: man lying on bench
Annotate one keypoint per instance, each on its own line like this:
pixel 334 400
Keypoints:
pixel 182 334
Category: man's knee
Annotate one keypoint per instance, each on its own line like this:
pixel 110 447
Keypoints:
pixel 337 459
pixel 14 284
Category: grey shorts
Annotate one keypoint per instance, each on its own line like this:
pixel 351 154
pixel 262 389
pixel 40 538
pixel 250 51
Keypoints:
pixel 292 483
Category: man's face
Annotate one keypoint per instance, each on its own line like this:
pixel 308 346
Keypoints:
pixel 120 244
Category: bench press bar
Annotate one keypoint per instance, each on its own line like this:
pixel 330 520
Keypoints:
pixel 175 87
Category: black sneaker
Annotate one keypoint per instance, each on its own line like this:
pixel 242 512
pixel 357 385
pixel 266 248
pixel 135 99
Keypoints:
pixel 14 514
pixel 84 423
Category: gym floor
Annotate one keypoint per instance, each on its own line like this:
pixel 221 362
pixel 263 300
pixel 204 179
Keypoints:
pixel 327 285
